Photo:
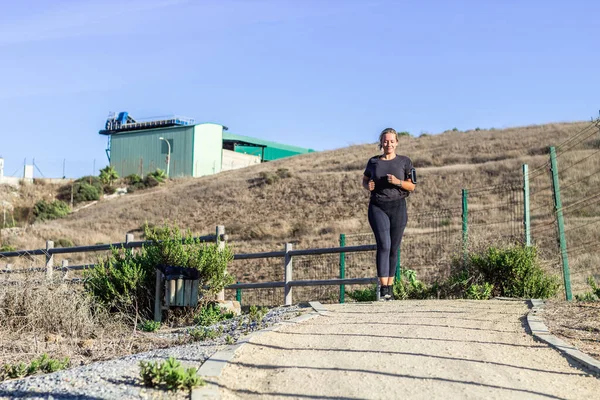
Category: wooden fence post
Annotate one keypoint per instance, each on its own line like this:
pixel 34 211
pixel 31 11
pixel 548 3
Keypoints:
pixel 65 265
pixel 220 246
pixel 157 292
pixel 128 239
pixel 49 260
pixel 288 274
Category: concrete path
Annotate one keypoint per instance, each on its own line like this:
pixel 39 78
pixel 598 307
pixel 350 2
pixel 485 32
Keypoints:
pixel 455 349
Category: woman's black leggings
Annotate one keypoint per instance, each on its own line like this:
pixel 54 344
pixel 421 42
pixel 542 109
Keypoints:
pixel 388 221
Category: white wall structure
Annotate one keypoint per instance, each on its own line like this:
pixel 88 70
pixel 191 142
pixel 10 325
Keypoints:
pixel 235 160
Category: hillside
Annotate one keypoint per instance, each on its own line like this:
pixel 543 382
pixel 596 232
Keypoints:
pixel 321 198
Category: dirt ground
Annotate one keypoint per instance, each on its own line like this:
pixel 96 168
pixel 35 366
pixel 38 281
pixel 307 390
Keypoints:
pixel 577 323
pixel 406 349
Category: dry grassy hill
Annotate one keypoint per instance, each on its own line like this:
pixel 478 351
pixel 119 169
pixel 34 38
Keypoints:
pixel 320 199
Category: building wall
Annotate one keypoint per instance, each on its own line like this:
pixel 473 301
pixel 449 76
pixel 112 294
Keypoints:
pixel 142 152
pixel 208 145
pixel 234 160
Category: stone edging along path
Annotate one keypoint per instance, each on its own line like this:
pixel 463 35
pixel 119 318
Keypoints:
pixel 540 331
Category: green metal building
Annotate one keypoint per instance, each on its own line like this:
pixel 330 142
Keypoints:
pixel 266 150
pixel 140 147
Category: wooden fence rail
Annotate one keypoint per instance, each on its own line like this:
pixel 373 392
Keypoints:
pixel 287 254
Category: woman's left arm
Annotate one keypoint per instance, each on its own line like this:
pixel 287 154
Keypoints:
pixel 407 185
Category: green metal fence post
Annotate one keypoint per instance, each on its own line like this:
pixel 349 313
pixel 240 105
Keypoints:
pixel 238 295
pixel 465 226
pixel 342 268
pixel 526 216
pixel 561 224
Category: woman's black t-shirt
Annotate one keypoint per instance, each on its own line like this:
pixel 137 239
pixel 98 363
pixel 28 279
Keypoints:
pixel 377 170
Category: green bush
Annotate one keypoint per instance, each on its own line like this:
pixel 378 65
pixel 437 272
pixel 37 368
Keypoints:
pixel 43 364
pixel 7 247
pixel 83 191
pixel 479 292
pixel 44 210
pixel 64 242
pixel 169 374
pixel 211 314
pixel 150 326
pixel 403 133
pixel 367 294
pixel 409 287
pixel 125 280
pixel 513 272
pixel 133 179
pixel 257 314
pixel 108 175
pixel 594 295
pixel 204 333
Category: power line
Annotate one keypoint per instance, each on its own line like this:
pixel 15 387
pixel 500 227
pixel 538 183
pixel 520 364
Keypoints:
pixel 579 162
pixel 582 179
pixel 581 226
pixel 572 138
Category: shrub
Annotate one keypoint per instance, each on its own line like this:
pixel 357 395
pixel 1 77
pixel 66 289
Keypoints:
pixel 169 374
pixel 403 133
pixel 257 314
pixel 64 242
pixel 203 333
pixel 151 181
pixel 513 272
pixel 43 364
pixel 479 292
pixel 594 295
pixel 367 294
pixel 133 179
pixel 44 210
pixel 125 280
pixel 283 173
pixel 409 287
pixel 150 326
pixel 211 314
pixel 83 191
pixel 159 175
pixel 108 175
pixel 7 247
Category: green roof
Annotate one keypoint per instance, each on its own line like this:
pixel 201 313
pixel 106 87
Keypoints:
pixel 265 143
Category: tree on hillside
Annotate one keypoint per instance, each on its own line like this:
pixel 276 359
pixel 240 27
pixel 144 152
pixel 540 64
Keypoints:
pixel 108 175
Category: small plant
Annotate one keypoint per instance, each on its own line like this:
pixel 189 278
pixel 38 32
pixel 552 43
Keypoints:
pixel 7 247
pixel 256 314
pixel 64 242
pixel 44 210
pixel 594 295
pixel 202 334
pixel 150 326
pixel 367 294
pixel 229 339
pixel 211 314
pixel 403 133
pixel 169 374
pixel 477 129
pixel 43 364
pixel 479 292
pixel 108 175
pixel 409 287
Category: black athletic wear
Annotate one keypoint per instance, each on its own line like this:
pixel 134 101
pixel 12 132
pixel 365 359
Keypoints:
pixel 387 210
pixel 378 169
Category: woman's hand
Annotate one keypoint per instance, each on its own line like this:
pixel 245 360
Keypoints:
pixel 393 180
pixel 371 186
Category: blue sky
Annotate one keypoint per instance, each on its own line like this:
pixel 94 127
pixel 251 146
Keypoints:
pixel 322 74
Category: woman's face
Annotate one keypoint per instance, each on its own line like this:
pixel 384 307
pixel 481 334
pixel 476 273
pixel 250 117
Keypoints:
pixel 389 143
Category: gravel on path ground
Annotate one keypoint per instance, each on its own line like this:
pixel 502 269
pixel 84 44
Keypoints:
pixel 430 349
pixel 120 378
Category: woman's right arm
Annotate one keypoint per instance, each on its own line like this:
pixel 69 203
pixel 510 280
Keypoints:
pixel 366 183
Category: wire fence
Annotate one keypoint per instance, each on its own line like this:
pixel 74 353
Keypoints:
pixel 578 162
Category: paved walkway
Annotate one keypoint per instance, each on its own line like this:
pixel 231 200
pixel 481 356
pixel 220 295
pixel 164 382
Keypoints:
pixel 406 349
